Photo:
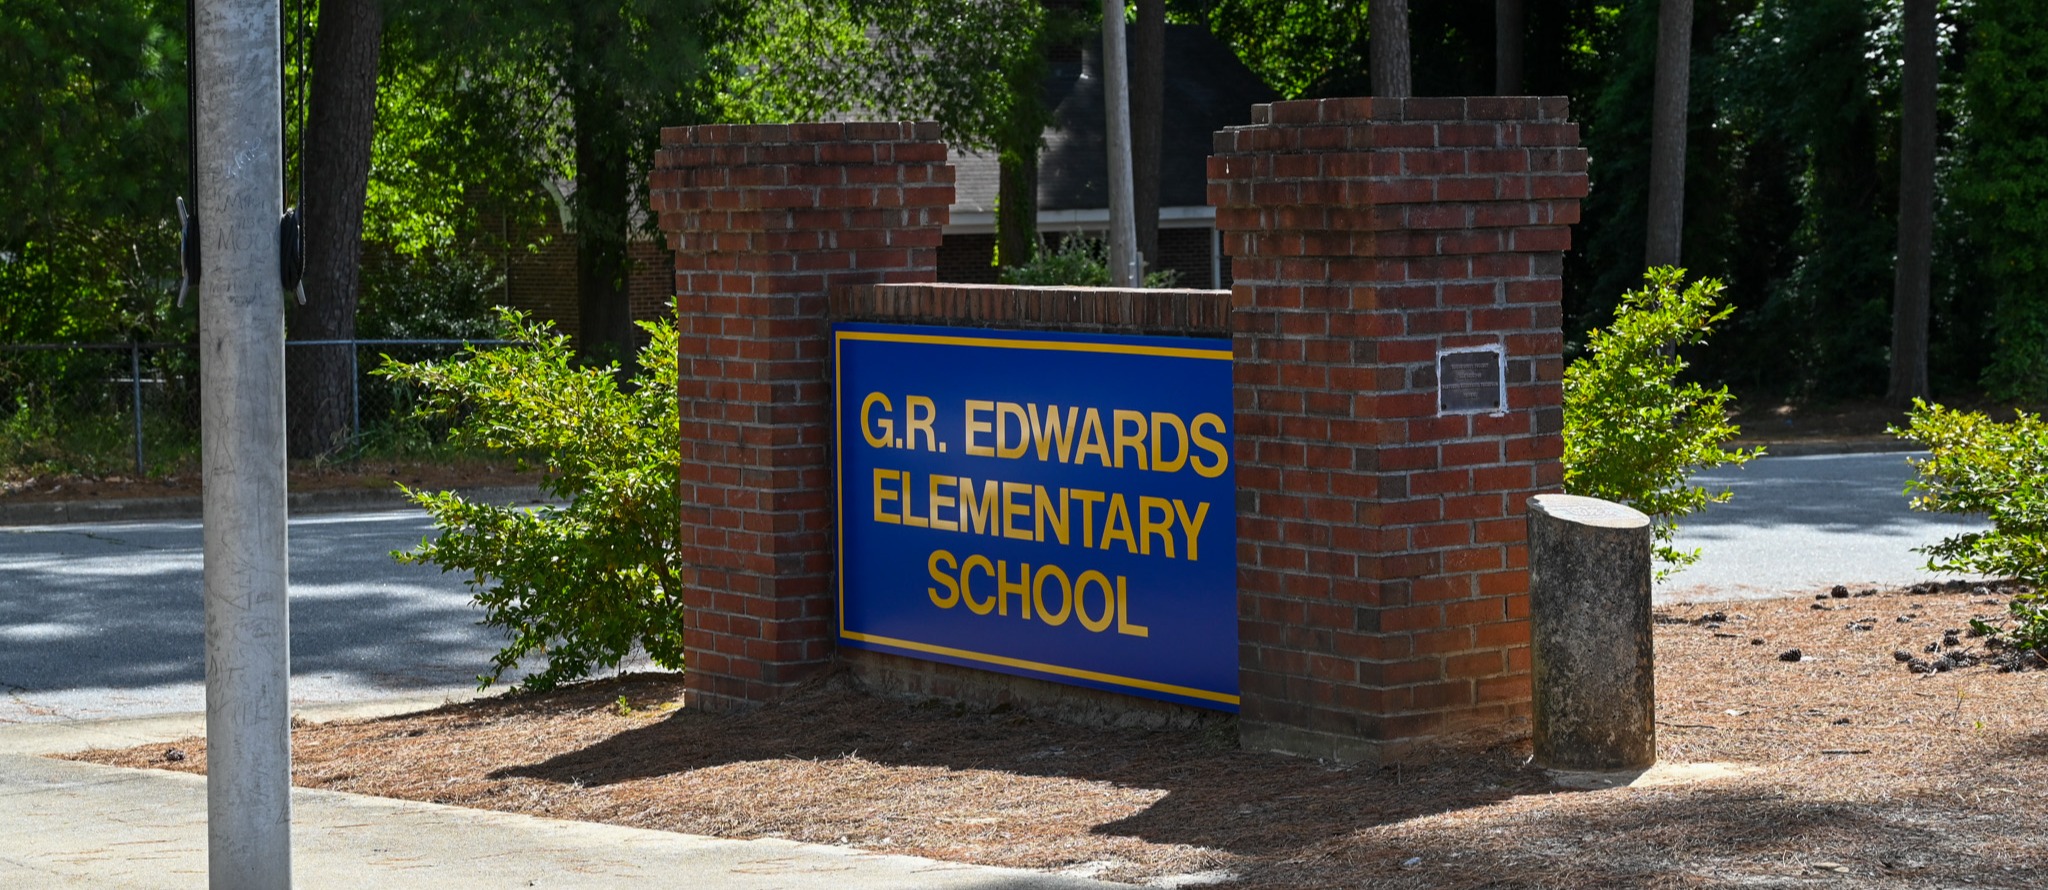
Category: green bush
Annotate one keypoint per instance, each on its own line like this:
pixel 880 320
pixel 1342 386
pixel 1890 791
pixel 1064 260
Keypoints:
pixel 1077 261
pixel 1633 432
pixel 446 296
pixel 1976 465
pixel 580 583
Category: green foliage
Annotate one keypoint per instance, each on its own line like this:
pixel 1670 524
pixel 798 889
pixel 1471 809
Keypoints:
pixel 441 159
pixel 1077 261
pixel 1978 466
pixel 1633 432
pixel 556 92
pixel 2003 184
pixel 1818 81
pixel 1311 50
pixel 1791 184
pixel 92 102
pixel 1293 47
pixel 977 68
pixel 70 412
pixel 45 439
pixel 581 583
pixel 437 296
pixel 794 60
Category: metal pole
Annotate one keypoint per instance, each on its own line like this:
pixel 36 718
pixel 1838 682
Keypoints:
pixel 355 398
pixel 135 398
pixel 241 369
pixel 1116 86
pixel 1215 257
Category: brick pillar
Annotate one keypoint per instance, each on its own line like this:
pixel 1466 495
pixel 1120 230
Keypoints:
pixel 765 221
pixel 1382 573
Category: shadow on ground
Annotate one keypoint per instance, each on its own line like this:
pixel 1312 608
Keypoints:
pixel 119 607
pixel 1476 817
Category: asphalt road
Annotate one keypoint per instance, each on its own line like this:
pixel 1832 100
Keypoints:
pixel 1800 525
pixel 106 619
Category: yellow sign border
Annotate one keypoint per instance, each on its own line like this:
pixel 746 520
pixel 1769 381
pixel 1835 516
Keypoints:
pixel 1007 661
pixel 839 486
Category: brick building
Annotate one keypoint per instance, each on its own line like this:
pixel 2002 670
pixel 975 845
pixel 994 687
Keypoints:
pixel 1207 89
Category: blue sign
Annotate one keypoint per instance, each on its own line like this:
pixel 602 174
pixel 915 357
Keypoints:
pixel 1057 506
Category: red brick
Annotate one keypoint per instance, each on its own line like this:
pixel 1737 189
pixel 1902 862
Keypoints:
pixel 1500 531
pixel 1475 665
pixel 1430 537
pixel 1504 583
pixel 1513 687
pixel 1504 635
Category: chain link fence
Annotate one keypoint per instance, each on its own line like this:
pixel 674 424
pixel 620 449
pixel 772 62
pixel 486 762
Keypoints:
pixel 105 409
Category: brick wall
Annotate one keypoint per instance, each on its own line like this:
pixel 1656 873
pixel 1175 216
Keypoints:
pixel 1382 572
pixel 1187 252
pixel 764 222
pixel 542 282
pixel 650 282
pixel 966 259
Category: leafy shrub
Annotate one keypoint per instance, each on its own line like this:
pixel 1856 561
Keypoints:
pixel 446 295
pixel 1633 432
pixel 1077 261
pixel 580 583
pixel 1976 465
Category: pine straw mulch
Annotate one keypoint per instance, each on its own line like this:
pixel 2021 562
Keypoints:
pixel 1845 769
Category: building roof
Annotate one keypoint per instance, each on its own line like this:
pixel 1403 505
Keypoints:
pixel 1207 89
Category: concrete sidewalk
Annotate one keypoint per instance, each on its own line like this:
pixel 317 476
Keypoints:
pixel 65 824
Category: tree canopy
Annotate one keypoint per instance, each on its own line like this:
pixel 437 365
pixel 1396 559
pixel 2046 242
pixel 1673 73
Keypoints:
pixel 491 120
pixel 92 99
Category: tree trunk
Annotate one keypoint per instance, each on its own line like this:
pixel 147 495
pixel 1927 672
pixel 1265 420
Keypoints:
pixel 1387 22
pixel 1912 283
pixel 603 141
pixel 341 121
pixel 1017 204
pixel 1667 133
pixel 1508 30
pixel 1148 122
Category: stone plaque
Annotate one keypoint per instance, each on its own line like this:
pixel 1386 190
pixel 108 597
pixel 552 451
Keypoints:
pixel 1471 381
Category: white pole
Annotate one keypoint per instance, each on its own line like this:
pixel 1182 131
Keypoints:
pixel 241 372
pixel 1116 87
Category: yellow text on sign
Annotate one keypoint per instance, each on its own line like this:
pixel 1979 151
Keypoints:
pixel 1159 441
pixel 1027 512
pixel 1030 588
pixel 878 423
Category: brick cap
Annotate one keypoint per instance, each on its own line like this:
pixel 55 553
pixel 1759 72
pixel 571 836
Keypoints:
pixel 1174 312
pixel 829 131
pixel 1428 108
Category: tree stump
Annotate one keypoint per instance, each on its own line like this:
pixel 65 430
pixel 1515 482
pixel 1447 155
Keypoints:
pixel 1589 617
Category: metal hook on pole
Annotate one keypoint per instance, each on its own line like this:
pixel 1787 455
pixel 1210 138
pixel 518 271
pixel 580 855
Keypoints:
pixel 188 251
pixel 291 254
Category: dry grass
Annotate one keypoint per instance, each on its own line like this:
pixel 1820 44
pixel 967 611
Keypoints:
pixel 1854 772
